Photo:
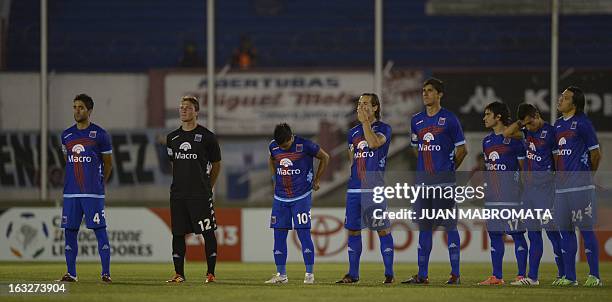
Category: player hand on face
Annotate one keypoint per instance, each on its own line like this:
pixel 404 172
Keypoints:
pixel 363 113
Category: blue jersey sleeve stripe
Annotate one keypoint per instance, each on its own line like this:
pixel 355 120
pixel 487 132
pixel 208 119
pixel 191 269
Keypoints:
pixel 359 190
pixel 107 152
pixel 83 195
pixel 460 143
pixel 575 189
pixel 591 148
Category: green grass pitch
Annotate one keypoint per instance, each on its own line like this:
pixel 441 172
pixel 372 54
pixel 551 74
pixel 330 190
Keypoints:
pixel 245 282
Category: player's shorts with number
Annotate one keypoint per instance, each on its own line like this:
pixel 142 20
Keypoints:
pixel 297 211
pixel 506 226
pixel 539 197
pixel 431 205
pixel 74 209
pixel 360 212
pixel 576 209
pixel 192 216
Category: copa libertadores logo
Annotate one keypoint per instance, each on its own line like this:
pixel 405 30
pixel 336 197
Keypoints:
pixel 26 236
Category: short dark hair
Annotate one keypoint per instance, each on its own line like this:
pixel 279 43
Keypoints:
pixel 375 102
pixel 193 100
pixel 437 84
pixel 501 109
pixel 525 109
pixel 578 99
pixel 282 133
pixel 87 100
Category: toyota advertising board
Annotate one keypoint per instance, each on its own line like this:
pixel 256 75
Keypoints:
pixel 330 240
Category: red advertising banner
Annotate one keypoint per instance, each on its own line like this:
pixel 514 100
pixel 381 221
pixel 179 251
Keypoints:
pixel 229 233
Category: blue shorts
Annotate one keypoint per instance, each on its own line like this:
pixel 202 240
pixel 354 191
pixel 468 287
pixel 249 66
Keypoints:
pixel 576 209
pixel 506 226
pixel 75 207
pixel 359 213
pixel 433 204
pixel 298 211
pixel 539 197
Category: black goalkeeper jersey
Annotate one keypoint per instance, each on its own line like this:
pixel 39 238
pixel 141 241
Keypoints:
pixel 191 154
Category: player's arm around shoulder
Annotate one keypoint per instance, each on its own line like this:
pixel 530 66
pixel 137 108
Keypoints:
pixel 514 130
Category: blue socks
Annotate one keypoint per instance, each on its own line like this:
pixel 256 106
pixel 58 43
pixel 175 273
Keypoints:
pixel 71 250
pixel 591 249
pixel 555 240
pixel 497 253
pixel 520 250
pixel 536 249
pixel 386 250
pixel 280 250
pixel 354 254
pixel 454 244
pixel 569 247
pixel 103 250
pixel 307 248
pixel 423 252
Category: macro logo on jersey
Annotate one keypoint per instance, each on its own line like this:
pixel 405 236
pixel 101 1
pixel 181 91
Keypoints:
pixel 186 146
pixel 562 142
pixel 494 156
pixel 361 150
pixel 27 236
pixel 286 163
pixel 428 138
pixel 531 155
pixel 78 148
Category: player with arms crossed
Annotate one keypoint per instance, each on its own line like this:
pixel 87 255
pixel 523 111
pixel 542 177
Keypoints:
pixel 368 147
pixel 538 192
pixel 438 140
pixel 291 165
pixel 88 154
pixel 575 203
pixel 504 158
pixel 196 161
